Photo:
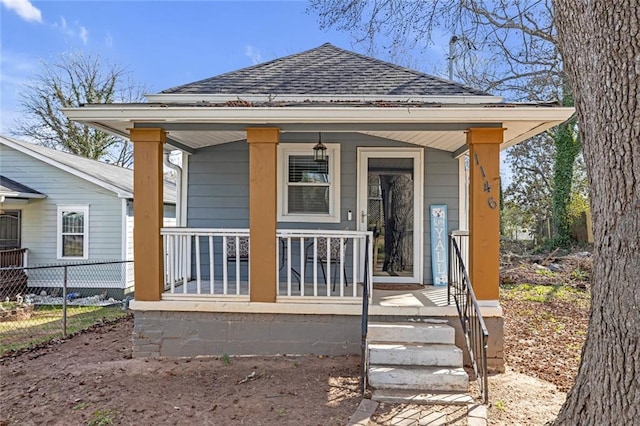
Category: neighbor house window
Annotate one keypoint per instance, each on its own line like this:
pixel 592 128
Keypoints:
pixel 73 232
pixel 308 190
pixel 9 229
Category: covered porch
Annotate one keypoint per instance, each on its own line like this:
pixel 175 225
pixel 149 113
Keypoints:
pixel 277 253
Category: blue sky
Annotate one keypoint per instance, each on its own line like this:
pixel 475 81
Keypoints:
pixel 162 43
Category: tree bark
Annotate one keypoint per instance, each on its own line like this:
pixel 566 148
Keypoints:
pixel 600 43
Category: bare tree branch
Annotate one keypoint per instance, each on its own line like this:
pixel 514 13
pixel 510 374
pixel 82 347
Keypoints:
pixel 71 80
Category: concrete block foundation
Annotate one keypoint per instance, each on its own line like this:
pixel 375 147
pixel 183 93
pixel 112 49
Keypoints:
pixel 188 334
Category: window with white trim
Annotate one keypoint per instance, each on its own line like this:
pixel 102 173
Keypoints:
pixel 73 232
pixel 308 191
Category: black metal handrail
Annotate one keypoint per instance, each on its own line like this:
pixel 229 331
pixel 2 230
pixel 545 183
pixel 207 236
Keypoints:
pixel 473 326
pixel 365 319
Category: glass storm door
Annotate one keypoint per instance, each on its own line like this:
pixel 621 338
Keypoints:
pixel 390 206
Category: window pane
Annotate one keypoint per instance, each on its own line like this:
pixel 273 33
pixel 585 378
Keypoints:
pixel 309 199
pixel 10 230
pixel 72 222
pixel 72 245
pixel 302 168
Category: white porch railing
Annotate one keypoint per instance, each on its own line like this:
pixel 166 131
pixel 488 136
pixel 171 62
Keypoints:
pixel 339 255
pixel 310 263
pixel 206 249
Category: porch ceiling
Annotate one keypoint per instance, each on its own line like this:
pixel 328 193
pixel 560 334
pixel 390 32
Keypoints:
pixel 442 127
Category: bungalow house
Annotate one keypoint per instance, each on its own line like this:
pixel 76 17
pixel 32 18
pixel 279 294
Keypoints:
pixel 307 179
pixel 57 207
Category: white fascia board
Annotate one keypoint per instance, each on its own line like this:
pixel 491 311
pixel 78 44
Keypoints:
pixel 196 98
pixel 271 115
pixel 21 195
pixel 82 175
pixel 526 135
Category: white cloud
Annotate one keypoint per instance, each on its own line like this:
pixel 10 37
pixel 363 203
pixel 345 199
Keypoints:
pixel 253 54
pixel 84 35
pixel 108 41
pixel 74 30
pixel 24 9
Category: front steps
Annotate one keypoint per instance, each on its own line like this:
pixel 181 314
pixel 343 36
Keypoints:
pixel 415 362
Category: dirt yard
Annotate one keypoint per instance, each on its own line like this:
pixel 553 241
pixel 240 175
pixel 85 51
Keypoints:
pixel 91 379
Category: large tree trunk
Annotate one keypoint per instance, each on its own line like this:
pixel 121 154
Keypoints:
pixel 600 43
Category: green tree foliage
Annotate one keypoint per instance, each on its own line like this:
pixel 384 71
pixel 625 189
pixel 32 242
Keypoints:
pixel 71 80
pixel 530 191
pixel 567 146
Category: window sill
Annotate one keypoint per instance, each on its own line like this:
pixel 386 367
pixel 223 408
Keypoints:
pixel 308 218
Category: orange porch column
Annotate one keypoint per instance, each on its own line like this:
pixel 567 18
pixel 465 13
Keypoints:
pixel 263 143
pixel 147 212
pixel 484 211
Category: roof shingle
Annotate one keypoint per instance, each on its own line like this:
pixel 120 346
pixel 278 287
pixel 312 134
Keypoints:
pixel 326 70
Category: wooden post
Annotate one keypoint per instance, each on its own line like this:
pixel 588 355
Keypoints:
pixel 147 212
pixel 484 211
pixel 263 143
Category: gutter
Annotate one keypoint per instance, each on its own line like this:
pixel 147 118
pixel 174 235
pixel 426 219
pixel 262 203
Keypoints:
pixel 315 115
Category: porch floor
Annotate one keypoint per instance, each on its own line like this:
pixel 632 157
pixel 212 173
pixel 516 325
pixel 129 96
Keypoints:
pixel 427 296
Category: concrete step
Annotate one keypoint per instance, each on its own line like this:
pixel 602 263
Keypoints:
pixel 434 355
pixel 435 379
pixel 412 396
pixel 415 332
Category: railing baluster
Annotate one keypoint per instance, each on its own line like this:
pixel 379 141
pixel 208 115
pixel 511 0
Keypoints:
pixel 225 259
pixel 328 276
pixel 289 266
pixel 171 262
pixel 341 267
pixel 354 266
pixel 315 266
pixel 237 265
pixel 302 260
pixel 198 271
pixel 212 275
pixel 185 279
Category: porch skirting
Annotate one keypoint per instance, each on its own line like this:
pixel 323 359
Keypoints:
pixel 189 334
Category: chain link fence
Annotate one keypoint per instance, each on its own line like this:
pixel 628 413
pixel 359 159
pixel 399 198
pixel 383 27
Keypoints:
pixel 41 303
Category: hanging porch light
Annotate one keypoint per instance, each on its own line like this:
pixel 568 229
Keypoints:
pixel 320 150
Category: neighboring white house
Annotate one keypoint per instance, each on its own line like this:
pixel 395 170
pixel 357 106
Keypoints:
pixel 63 208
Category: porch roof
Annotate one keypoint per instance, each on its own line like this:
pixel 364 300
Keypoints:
pixel 436 125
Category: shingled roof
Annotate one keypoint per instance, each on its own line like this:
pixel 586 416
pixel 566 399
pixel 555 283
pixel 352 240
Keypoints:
pixel 326 70
pixel 11 188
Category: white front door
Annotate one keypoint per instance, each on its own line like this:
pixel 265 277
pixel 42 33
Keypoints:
pixel 390 204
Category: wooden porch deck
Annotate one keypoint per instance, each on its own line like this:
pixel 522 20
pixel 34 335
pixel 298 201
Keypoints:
pixel 427 296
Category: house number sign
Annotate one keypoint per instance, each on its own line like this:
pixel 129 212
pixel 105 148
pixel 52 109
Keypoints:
pixel 486 187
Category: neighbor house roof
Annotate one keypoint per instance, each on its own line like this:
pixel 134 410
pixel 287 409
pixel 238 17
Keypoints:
pixel 327 70
pixel 113 178
pixel 11 189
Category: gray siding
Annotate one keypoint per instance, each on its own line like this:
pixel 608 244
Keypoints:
pixel 62 188
pixel 218 186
